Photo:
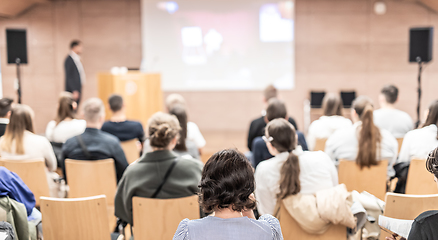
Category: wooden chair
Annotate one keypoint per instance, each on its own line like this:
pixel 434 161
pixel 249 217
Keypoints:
pixel 72 219
pixel 320 144
pixel 291 230
pixel 131 150
pixel 33 173
pixel 91 178
pixel 158 219
pixel 400 142
pixel 372 180
pixel 420 181
pixel 405 206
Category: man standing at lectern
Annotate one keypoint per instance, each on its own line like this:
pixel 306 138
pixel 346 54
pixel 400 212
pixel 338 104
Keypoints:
pixel 74 71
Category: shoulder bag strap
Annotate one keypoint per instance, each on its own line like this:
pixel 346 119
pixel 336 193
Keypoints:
pixel 169 170
pixel 83 147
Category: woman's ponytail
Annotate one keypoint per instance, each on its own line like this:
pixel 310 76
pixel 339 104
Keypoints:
pixel 289 177
pixel 369 135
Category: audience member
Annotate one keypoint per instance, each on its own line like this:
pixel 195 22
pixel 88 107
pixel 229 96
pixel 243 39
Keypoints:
pixel 256 129
pixel 95 144
pixel 226 186
pixel 193 132
pixel 425 226
pixel 397 122
pixel 276 109
pixel 161 173
pixel 184 145
pixel 65 125
pixel 363 142
pixel 20 142
pixel 331 121
pixel 310 171
pixel 5 113
pixel 118 125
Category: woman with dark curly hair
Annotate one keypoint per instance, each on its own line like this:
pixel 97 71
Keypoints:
pixel 227 187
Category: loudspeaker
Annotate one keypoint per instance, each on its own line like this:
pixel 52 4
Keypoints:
pixel 316 99
pixel 348 98
pixel 420 44
pixel 16 45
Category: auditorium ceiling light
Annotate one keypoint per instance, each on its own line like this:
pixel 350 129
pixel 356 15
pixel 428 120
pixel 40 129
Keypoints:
pixel 379 7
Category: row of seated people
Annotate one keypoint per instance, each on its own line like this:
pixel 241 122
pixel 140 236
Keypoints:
pixel 370 133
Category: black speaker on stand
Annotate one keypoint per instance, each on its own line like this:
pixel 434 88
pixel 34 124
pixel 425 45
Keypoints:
pixel 420 52
pixel 17 52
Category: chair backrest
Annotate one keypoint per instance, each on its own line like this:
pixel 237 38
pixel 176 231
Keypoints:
pixel 372 180
pixel 320 144
pixel 33 173
pixel 291 230
pixel 405 206
pixel 131 150
pixel 72 219
pixel 91 178
pixel 158 219
pixel 420 181
pixel 400 142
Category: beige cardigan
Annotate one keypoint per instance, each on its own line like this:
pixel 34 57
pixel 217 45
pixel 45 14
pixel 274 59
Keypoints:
pixel 316 213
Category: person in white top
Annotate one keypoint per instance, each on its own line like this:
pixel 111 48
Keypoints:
pixel 193 132
pixel 363 142
pixel 65 125
pixel 418 143
pixel 331 121
pixel 397 122
pixel 292 170
pixel 20 143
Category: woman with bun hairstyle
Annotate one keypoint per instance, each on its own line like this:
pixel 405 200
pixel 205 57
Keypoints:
pixel 146 178
pixel 363 142
pixel 226 191
pixel 65 125
pixel 292 170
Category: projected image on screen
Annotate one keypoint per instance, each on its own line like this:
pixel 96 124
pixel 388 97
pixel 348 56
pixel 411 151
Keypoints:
pixel 219 45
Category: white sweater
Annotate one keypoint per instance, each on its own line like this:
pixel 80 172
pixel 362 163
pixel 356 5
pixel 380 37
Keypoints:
pixel 64 130
pixel 324 127
pixel 34 147
pixel 317 172
pixel 344 144
pixel 418 143
pixel 397 122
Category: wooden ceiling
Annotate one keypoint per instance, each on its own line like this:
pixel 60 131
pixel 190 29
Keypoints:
pixel 11 8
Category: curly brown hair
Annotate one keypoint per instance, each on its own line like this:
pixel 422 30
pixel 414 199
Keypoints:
pixel 227 180
pixel 432 162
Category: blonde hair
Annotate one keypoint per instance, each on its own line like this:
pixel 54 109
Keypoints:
pixel 21 120
pixel 93 110
pixel 174 99
pixel 162 128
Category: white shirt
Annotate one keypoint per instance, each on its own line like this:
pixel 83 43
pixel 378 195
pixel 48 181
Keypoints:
pixel 344 144
pixel 397 122
pixel 64 130
pixel 418 143
pixel 193 134
pixel 4 120
pixel 324 127
pixel 317 172
pixel 34 147
pixel 78 63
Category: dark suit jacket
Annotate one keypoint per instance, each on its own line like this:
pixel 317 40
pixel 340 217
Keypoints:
pixel 257 128
pixel 72 76
pixel 100 145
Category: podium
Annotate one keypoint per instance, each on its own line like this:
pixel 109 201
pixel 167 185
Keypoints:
pixel 141 92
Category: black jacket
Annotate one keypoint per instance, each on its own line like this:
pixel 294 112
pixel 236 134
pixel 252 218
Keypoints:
pixel 257 127
pixel 2 129
pixel 101 145
pixel 72 76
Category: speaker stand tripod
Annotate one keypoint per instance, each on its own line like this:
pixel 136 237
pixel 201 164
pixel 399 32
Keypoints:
pixel 420 69
pixel 17 62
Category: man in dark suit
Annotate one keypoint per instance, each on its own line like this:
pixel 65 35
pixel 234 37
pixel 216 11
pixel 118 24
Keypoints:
pixel 5 113
pixel 74 71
